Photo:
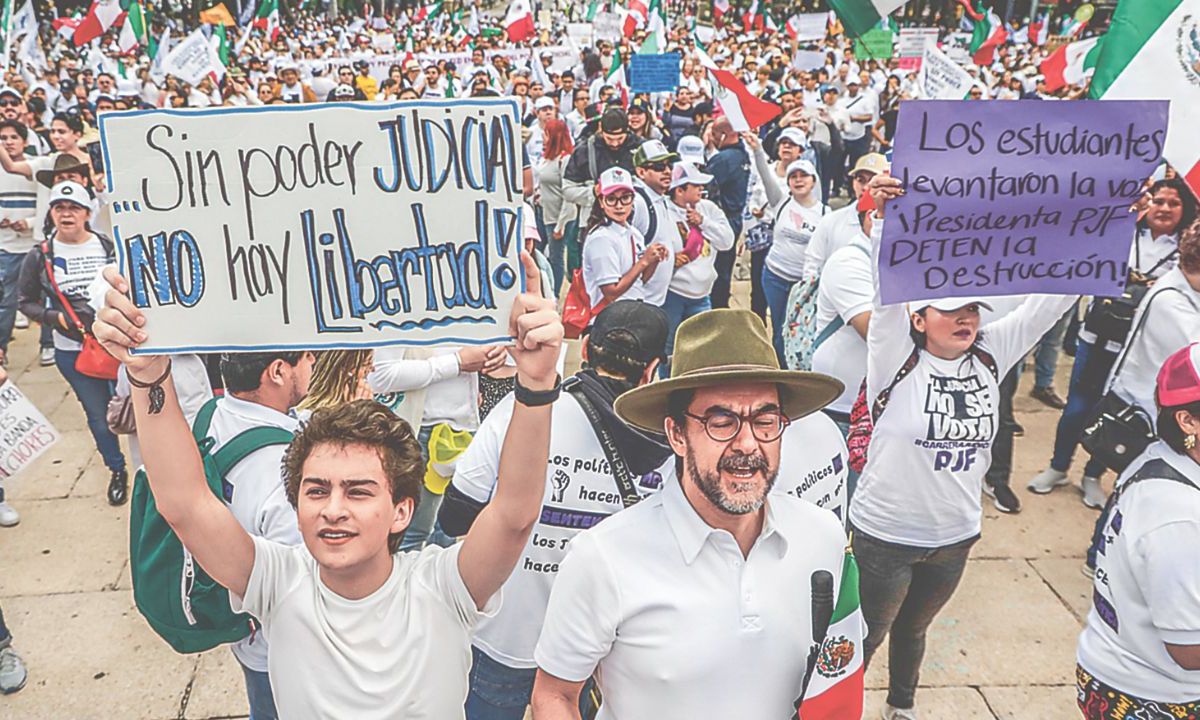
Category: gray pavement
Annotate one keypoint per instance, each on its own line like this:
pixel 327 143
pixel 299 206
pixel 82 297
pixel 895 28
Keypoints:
pixel 1003 648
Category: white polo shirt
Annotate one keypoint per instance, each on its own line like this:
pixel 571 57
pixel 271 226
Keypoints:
pixel 609 251
pixel 677 623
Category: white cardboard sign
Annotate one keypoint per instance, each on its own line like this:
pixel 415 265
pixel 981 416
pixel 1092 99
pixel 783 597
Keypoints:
pixel 339 225
pixel 941 78
pixel 25 433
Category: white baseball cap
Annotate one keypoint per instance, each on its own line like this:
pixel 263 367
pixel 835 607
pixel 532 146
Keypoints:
pixel 687 174
pixel 543 102
pixel 953 303
pixel 615 179
pixel 801 165
pixel 72 192
pixel 691 150
pixel 795 136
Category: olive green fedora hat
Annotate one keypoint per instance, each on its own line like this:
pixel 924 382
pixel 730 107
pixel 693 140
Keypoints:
pixel 722 347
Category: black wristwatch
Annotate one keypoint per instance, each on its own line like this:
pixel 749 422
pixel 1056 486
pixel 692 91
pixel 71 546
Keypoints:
pixel 536 398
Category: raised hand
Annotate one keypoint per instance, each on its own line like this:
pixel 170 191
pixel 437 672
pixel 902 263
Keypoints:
pixel 538 331
pixel 118 327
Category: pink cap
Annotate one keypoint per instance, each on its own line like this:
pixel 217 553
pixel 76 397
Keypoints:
pixel 1179 379
pixel 615 179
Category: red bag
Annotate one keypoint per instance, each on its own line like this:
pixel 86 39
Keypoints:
pixel 859 437
pixel 577 307
pixel 93 361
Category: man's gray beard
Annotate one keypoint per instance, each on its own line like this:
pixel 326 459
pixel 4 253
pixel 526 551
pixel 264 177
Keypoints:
pixel 709 484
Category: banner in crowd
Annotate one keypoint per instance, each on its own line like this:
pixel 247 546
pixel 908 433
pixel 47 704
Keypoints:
pixel 319 226
pixel 1007 198
pixel 810 26
pixel 25 433
pixel 808 60
pixel 193 59
pixel 580 34
pixel 654 73
pixel 941 78
pixel 911 44
pixel 378 66
pixel 607 26
pixel 876 43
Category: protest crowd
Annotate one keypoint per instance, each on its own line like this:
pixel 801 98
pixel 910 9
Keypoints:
pixel 474 529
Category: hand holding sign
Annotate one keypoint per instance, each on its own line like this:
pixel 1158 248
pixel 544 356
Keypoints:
pixel 119 325
pixel 884 188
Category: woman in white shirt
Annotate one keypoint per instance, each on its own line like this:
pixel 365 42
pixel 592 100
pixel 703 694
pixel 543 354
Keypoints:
pixel 916 511
pixel 762 209
pixel 1171 210
pixel 795 220
pixel 1139 653
pixel 616 262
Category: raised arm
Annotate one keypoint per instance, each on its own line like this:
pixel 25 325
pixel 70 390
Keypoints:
pixel 770 181
pixel 888 339
pixel 173 467
pixel 498 535
pixel 16 167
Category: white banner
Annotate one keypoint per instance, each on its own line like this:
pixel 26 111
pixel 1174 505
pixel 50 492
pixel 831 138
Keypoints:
pixel 25 433
pixel 378 66
pixel 319 226
pixel 941 78
pixel 191 59
pixel 913 41
pixel 811 26
pixel 580 34
pixel 607 26
pixel 808 59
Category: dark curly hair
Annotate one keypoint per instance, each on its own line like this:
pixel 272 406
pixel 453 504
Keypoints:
pixel 368 424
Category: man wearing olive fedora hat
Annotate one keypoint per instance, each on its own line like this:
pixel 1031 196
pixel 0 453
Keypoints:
pixel 696 601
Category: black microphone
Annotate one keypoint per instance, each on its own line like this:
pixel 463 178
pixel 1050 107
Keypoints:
pixel 821 583
pixel 821 595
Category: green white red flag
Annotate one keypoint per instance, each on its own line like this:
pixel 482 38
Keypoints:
pixel 859 16
pixel 1152 52
pixel 836 689
pixel 1071 63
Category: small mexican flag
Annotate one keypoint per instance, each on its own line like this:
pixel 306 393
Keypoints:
pixel 836 689
pixel 267 18
pixel 593 7
pixel 615 76
pixel 1071 63
pixel 745 111
pixel 987 35
pixel 133 32
pixel 859 16
pixel 428 11
pixel 1152 52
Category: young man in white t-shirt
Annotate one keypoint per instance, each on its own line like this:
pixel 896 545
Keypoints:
pixel 357 630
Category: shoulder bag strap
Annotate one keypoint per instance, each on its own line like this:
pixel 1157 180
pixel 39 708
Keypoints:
pixel 591 155
pixel 881 399
pixel 247 442
pixel 1156 469
pixel 203 420
pixel 62 299
pixel 651 215
pixel 987 359
pixel 1116 371
pixel 620 469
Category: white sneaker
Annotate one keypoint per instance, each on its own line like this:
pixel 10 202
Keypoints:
pixel 21 322
pixel 12 671
pixel 1046 481
pixel 1093 495
pixel 891 713
pixel 8 516
pixel 46 358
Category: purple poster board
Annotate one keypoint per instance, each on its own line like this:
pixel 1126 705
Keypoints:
pixel 1014 197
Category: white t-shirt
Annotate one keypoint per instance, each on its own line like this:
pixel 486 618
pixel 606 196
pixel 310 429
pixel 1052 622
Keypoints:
pixel 609 251
pixel 864 103
pixel 1173 323
pixel 580 492
pixel 677 622
pixel 847 289
pixel 75 266
pixel 695 279
pixel 834 231
pixel 931 447
pixel 793 228
pixel 255 494
pixel 1146 590
pixel 664 232
pixel 401 652
pixel 813 464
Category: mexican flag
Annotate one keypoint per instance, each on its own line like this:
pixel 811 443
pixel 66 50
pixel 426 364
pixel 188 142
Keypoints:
pixel 836 689
pixel 266 18
pixel 593 7
pixel 752 18
pixel 100 17
pixel 1071 63
pixel 1073 27
pixel 428 11
pixel 656 29
pixel 518 23
pixel 133 32
pixel 1152 52
pixel 1039 31
pixel 989 34
pixel 859 16
pixel 745 111
pixel 720 7
pixel 615 76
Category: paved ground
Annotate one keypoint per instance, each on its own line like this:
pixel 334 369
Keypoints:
pixel 1004 648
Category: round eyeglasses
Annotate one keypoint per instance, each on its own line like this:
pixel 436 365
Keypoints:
pixel 724 426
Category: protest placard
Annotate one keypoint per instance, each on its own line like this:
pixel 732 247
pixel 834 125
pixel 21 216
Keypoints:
pixel 24 432
pixel 875 43
pixel 1007 198
pixel 580 35
pixel 654 73
pixel 913 41
pixel 319 226
pixel 808 59
pixel 810 26
pixel 941 78
pixel 192 59
pixel 607 26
